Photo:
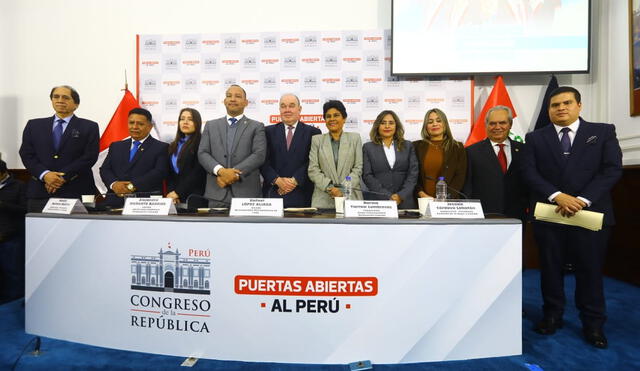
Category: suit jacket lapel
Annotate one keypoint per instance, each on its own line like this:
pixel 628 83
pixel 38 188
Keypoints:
pixel 298 133
pixel 515 155
pixel 490 155
pixel 68 132
pixel 343 151
pixel 579 142
pixel 551 137
pixel 140 152
pixel 242 126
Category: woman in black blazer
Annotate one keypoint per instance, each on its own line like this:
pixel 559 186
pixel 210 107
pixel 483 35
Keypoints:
pixel 390 165
pixel 186 176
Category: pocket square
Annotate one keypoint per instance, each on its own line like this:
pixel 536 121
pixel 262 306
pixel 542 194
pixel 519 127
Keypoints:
pixel 592 140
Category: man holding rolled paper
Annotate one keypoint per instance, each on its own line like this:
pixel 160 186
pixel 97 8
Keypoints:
pixel 572 164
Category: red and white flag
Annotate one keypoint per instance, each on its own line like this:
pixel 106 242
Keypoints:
pixel 498 97
pixel 118 129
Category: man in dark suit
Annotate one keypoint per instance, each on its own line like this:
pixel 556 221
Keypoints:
pixel 494 168
pixel 59 151
pixel 574 164
pixel 231 151
pixel 135 165
pixel 288 145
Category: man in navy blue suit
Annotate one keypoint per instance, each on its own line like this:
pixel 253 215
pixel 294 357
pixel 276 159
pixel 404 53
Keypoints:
pixel 59 151
pixel 288 145
pixel 135 165
pixel 573 164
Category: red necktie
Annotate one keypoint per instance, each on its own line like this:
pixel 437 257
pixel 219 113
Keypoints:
pixel 502 158
pixel 289 136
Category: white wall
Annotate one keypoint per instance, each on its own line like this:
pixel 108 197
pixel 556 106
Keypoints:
pixel 89 43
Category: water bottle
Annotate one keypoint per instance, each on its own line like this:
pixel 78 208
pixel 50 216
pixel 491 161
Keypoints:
pixel 347 188
pixel 441 189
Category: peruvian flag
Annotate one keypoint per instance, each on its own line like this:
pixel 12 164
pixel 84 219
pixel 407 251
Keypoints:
pixel 118 129
pixel 498 97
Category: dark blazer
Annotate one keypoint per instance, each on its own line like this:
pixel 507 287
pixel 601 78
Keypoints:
pixel 146 171
pixel 380 177
pixel 591 170
pixel 454 166
pixel 191 178
pixel 294 162
pixel 78 152
pixel 500 193
pixel 13 206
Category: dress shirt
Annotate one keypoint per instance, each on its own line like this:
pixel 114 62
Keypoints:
pixel 507 149
pixel 390 153
pixel 238 118
pixel 293 131
pixel 64 127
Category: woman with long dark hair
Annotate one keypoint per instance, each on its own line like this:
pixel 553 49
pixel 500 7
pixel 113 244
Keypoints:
pixel 186 176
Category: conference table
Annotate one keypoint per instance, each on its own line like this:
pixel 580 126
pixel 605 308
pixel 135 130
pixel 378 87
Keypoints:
pixel 302 288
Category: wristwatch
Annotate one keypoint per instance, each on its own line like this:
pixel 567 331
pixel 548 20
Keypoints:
pixel 131 187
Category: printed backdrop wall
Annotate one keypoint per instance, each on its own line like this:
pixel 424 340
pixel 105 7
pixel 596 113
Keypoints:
pixel 176 71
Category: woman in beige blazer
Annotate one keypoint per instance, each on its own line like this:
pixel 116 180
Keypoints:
pixel 333 157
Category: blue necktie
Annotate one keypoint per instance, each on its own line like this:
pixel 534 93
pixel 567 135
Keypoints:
pixel 565 142
pixel 133 150
pixel 57 134
pixel 233 122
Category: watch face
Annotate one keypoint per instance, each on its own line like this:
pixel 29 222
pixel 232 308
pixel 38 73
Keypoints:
pixel 130 187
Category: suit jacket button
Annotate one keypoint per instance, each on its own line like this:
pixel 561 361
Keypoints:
pixel 55 156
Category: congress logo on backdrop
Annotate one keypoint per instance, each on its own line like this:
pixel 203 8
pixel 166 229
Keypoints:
pixel 310 41
pixel 270 42
pixel 351 82
pixel 159 277
pixel 290 62
pixel 270 82
pixel 230 43
pixel 352 40
pixel 150 44
pixel 458 101
pixel 190 84
pixel 210 63
pixel 373 60
pixel 230 81
pixel 250 62
pixel 310 82
pixel 330 61
pixel 372 102
pixel 150 84
pixel 170 64
pixel 190 44
pixel 170 103
pixel 210 104
pixel 414 102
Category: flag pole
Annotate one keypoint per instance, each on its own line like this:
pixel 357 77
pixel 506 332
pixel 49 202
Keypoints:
pixel 126 84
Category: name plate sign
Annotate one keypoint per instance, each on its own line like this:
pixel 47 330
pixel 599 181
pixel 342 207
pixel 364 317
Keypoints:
pixel 148 206
pixel 467 209
pixel 65 206
pixel 256 207
pixel 370 209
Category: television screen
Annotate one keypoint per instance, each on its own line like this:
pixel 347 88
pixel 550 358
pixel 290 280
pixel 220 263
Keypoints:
pixel 449 37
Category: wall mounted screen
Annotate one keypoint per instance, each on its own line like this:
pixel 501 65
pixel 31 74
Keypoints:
pixel 445 37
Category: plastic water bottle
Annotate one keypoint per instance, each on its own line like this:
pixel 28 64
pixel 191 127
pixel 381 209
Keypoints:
pixel 348 187
pixel 441 189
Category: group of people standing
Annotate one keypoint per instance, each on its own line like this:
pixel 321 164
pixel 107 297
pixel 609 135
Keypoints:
pixel 571 163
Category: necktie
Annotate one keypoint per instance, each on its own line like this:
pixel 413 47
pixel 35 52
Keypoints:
pixel 57 134
pixel 565 142
pixel 233 122
pixel 289 136
pixel 502 158
pixel 134 149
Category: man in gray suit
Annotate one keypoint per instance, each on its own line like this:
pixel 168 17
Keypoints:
pixel 232 149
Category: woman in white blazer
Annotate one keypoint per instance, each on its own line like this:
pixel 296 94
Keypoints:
pixel 334 156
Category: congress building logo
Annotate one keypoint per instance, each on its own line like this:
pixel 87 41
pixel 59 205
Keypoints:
pixel 171 103
pixel 230 43
pixel 190 44
pixel 250 62
pixel 352 40
pixel 457 101
pixel 210 63
pixel 172 271
pixel 290 62
pixel 310 82
pixel 171 64
pixel 310 41
pixel 150 84
pixel 270 42
pixel 150 45
pixel 330 61
pixel 269 82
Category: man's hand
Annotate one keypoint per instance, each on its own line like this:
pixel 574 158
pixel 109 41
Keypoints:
pixel 174 196
pixel 53 180
pixel 334 192
pixel 285 185
pixel 228 176
pixel 120 187
pixel 568 205
pixel 423 194
pixel 395 197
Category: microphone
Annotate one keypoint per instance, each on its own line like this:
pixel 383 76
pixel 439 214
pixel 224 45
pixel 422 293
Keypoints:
pixel 448 187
